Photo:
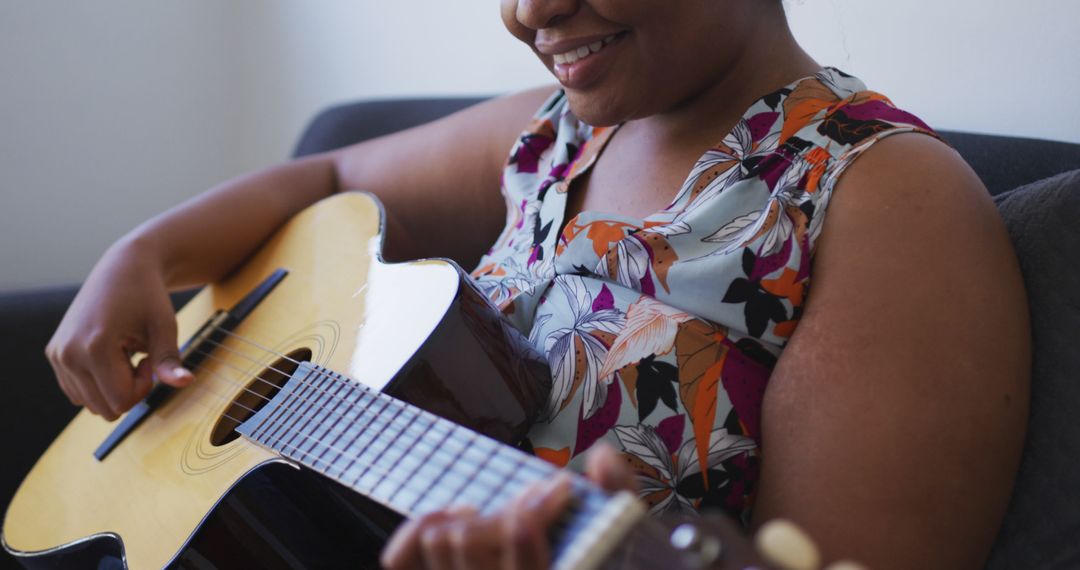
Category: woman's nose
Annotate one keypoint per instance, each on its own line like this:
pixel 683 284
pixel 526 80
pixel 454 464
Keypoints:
pixel 538 14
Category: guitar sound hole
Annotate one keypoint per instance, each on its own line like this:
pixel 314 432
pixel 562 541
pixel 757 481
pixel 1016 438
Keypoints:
pixel 256 394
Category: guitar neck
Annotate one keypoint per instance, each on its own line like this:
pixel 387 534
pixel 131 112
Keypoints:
pixel 415 462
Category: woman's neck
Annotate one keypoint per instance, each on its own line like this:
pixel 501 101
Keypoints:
pixel 771 59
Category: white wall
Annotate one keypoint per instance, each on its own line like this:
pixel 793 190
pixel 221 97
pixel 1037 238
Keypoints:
pixel 977 65
pixel 109 111
pixel 113 110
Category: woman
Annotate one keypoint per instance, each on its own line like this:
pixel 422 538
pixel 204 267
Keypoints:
pixel 888 422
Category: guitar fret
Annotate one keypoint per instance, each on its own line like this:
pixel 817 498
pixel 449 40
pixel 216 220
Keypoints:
pixel 359 431
pixel 313 403
pixel 390 445
pixel 470 479
pixel 420 461
pixel 492 500
pixel 348 422
pixel 367 447
pixel 258 430
pixel 284 413
pixel 378 445
pixel 406 458
pixel 316 439
pixel 350 391
pixel 315 442
pixel 366 442
pixel 413 461
pixel 446 468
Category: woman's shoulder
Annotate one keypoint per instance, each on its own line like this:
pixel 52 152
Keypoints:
pixel 836 112
pixel 838 117
pixel 826 123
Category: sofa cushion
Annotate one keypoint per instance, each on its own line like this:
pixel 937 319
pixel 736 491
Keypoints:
pixel 1004 163
pixel 1042 527
pixel 350 123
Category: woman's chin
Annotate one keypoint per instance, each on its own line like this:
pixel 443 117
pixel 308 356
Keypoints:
pixel 597 111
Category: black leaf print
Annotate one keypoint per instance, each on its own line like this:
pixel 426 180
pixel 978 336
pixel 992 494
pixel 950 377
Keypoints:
pixel 754 351
pixel 571 154
pixel 740 291
pixel 773 99
pixel 798 145
pixel 760 309
pixel 732 423
pixel 544 187
pixel 540 233
pixel 847 131
pixel 752 164
pixel 760 305
pixel 656 382
pixel 693 487
pixel 748 261
pixel 777 310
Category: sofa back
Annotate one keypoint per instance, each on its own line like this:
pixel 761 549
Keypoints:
pixel 1003 163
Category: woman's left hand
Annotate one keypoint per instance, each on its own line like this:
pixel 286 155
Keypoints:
pixel 515 537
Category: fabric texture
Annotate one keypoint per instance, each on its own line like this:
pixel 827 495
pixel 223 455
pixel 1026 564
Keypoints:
pixel 1043 520
pixel 662 332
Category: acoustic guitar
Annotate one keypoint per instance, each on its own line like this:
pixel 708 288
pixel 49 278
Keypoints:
pixel 336 395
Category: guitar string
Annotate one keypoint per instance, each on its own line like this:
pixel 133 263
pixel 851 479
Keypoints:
pixel 319 375
pixel 452 449
pixel 511 488
pixel 533 463
pixel 529 467
pixel 408 484
pixel 270 351
pixel 296 396
pixel 313 411
pixel 509 474
pixel 285 357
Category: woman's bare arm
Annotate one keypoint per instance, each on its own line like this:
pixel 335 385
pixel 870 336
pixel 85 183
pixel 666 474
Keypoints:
pixel 439 183
pixel 894 420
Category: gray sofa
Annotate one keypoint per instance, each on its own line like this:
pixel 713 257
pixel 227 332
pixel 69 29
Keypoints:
pixel 1044 519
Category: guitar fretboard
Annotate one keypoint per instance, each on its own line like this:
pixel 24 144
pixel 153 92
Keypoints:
pixel 414 461
pixel 397 454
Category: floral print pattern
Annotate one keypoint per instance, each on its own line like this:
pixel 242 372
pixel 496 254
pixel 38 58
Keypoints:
pixel 662 332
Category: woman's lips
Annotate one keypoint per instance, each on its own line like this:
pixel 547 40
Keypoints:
pixel 584 51
pixel 579 66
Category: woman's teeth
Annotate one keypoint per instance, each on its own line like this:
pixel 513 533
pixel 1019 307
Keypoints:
pixel 583 52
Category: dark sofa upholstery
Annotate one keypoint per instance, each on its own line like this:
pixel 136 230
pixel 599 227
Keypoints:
pixel 35 410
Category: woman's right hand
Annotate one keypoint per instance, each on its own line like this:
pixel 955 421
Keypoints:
pixel 122 309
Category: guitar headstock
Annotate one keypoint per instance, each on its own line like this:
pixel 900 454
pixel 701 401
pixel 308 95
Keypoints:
pixel 714 542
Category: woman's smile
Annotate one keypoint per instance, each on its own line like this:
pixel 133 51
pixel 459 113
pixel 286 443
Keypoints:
pixel 577 63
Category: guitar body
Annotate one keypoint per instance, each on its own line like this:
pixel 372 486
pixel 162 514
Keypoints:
pixel 416 331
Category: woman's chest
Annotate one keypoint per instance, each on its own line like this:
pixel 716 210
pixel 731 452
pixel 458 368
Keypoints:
pixel 629 180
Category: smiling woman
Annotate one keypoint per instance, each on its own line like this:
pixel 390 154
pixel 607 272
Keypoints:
pixel 654 226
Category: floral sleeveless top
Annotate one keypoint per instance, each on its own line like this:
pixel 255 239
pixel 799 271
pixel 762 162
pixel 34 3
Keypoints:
pixel 662 332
